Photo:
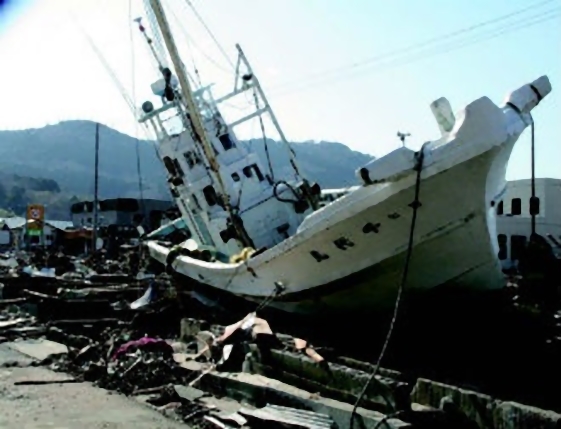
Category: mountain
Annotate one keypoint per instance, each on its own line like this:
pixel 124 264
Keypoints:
pixel 61 159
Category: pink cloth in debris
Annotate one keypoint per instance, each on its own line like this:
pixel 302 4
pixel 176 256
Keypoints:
pixel 143 342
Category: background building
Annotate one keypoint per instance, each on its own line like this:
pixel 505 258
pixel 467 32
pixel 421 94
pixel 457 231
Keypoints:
pixel 514 220
pixel 122 213
pixel 13 232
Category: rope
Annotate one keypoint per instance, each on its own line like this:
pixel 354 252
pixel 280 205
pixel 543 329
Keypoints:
pixel 415 205
pixel 279 288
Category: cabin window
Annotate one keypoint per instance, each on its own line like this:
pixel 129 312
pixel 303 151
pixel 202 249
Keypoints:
pixel 502 246
pixel 235 177
pixel 191 158
pixel 534 206
pixel 517 246
pixel 210 195
pixel 227 142
pixel 178 167
pixel 170 167
pixel 516 207
pixel 500 208
pixel 248 172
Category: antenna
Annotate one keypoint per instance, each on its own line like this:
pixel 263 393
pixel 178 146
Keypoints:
pixel 403 136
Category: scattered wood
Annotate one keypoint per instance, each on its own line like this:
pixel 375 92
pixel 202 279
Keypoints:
pixel 44 382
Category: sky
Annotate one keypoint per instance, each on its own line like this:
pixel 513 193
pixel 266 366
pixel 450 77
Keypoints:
pixel 349 71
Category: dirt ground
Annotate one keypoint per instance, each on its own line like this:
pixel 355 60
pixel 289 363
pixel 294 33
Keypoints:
pixel 66 406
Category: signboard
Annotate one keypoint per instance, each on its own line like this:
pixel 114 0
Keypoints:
pixel 35 216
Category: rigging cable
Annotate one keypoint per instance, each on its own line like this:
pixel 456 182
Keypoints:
pixel 210 33
pixel 201 50
pixel 157 43
pixel 256 100
pixel 191 42
pixel 137 143
pixel 415 206
pixel 104 62
pixel 434 40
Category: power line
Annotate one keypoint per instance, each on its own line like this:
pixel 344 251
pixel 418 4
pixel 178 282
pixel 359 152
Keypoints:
pixel 435 40
pixel 406 60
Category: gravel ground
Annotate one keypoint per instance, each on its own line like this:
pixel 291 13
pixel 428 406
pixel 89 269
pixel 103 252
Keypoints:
pixel 66 406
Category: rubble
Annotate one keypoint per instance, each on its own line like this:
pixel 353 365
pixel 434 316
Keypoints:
pixel 115 324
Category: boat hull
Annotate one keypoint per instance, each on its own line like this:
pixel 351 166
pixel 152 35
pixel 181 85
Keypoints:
pixel 453 247
pixel 349 256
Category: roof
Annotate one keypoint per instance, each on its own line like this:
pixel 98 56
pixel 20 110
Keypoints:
pixel 16 222
pixel 60 224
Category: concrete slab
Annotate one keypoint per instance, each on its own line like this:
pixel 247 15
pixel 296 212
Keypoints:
pixel 259 391
pixel 37 349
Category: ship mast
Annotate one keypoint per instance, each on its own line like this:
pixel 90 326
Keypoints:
pixel 187 93
pixel 194 116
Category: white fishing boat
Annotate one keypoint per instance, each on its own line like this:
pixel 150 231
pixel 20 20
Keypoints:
pixel 315 255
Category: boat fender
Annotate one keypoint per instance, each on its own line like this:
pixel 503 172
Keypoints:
pixel 243 256
pixel 172 256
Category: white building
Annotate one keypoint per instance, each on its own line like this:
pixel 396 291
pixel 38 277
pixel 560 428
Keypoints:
pixel 13 232
pixel 514 219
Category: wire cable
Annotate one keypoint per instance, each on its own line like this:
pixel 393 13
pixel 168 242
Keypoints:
pixel 415 205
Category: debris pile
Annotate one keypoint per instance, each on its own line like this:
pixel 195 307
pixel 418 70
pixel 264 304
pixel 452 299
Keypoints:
pixel 127 332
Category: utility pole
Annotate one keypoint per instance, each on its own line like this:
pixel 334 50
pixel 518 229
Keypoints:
pixel 534 202
pixel 96 183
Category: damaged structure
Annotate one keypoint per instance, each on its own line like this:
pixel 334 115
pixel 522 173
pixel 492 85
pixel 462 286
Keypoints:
pixel 514 218
pixel 120 213
pixel 89 322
